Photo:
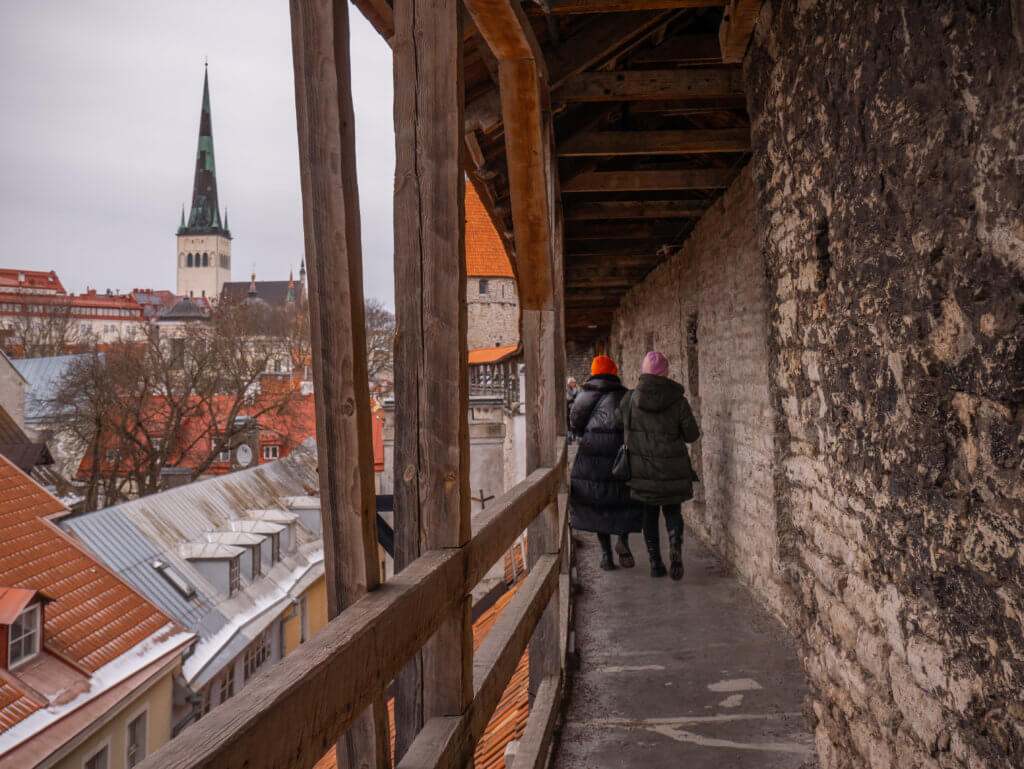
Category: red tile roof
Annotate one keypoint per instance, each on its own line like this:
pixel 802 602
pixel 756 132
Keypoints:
pixel 486 256
pixel 15 705
pixel 492 354
pixel 509 719
pixel 30 280
pixel 94 616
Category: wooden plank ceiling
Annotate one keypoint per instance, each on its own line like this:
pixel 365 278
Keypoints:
pixel 650 127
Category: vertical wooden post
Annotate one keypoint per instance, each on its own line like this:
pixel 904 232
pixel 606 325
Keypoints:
pixel 431 402
pixel 330 197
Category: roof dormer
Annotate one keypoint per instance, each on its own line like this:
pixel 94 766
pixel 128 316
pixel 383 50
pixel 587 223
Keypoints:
pixel 21 625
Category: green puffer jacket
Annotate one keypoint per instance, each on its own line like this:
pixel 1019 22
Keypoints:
pixel 659 424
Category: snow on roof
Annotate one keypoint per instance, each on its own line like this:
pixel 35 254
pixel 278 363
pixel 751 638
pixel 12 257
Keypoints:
pixel 168 639
pixel 276 516
pixel 208 550
pixel 198 520
pixel 257 527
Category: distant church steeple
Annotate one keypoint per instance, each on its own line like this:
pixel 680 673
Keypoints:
pixel 204 240
pixel 204 217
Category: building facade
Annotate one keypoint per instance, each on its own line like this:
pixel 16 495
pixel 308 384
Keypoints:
pixel 204 240
pixel 492 304
pixel 87 665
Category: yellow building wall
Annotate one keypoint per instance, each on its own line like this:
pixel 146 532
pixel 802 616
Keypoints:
pixel 316 606
pixel 157 698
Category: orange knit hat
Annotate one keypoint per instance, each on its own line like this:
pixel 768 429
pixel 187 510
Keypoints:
pixel 602 364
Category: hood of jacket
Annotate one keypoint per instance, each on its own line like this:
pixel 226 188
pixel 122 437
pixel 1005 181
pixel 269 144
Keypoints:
pixel 656 393
pixel 603 383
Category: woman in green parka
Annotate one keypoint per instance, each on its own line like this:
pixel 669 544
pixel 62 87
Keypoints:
pixel 658 423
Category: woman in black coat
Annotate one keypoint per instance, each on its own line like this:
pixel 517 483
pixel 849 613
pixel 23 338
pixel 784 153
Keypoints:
pixel 597 501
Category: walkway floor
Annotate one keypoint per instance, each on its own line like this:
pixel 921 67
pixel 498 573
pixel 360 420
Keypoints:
pixel 679 674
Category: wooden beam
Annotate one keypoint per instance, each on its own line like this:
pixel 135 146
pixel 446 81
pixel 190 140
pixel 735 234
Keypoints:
pixel 334 255
pixel 738 22
pixel 638 85
pixel 532 752
pixel 431 401
pixel 635 209
pixel 523 93
pixel 448 743
pixel 592 230
pixel 326 683
pixel 609 143
pixel 654 180
pixel 592 45
pixel 561 7
pixel 681 49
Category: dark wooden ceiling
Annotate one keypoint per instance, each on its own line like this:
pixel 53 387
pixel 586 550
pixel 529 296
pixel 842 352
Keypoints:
pixel 650 127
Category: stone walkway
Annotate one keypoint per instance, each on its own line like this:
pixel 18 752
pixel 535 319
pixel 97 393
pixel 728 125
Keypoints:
pixel 679 674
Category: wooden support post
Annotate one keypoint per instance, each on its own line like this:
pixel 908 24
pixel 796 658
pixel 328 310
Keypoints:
pixel 431 403
pixel 330 195
pixel 542 395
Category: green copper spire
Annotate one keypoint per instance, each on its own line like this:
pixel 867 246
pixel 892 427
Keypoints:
pixel 182 225
pixel 204 217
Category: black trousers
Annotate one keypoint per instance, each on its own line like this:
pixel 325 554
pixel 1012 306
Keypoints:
pixel 673 520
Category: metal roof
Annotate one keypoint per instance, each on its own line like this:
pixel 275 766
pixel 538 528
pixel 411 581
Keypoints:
pixel 172 524
pixel 117 542
pixel 43 375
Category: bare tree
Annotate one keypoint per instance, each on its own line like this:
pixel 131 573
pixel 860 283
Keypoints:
pixel 380 345
pixel 175 401
pixel 50 329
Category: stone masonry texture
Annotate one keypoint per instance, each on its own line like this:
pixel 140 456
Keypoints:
pixel 848 321
pixel 492 307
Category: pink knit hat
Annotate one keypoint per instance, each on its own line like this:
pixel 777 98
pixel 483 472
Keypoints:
pixel 655 363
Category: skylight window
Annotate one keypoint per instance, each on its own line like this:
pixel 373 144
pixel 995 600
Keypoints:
pixel 176 581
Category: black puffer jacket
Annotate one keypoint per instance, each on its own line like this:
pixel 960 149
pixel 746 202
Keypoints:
pixel 660 425
pixel 598 502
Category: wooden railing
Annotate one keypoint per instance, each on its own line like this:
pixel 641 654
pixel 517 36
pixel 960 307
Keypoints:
pixel 289 716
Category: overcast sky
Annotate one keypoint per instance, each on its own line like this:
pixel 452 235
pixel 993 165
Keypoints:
pixel 101 105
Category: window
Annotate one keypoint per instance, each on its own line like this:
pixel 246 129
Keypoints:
pixel 234 577
pixel 204 702
pixel 176 581
pixel 136 740
pixel 98 760
pixel 189 262
pixel 482 287
pixel 257 653
pixel 206 260
pixel 24 636
pixel 275 547
pixel 271 452
pixel 227 683
pixel 303 620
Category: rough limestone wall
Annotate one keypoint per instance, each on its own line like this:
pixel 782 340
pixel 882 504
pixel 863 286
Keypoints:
pixel 493 316
pixel 706 308
pixel 888 162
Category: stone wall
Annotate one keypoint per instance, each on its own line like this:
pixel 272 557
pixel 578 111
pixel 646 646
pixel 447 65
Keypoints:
pixel 706 310
pixel 492 312
pixel 887 162
pixel 848 321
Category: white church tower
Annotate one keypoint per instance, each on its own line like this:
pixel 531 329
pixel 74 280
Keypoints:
pixel 204 240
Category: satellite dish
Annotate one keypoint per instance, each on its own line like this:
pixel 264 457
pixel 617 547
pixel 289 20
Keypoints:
pixel 243 454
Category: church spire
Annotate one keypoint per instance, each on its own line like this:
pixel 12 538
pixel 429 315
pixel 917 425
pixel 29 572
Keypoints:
pixel 204 217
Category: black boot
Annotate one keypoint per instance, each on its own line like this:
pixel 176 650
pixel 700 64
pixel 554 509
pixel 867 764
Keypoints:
pixel 625 556
pixel 654 554
pixel 607 562
pixel 675 554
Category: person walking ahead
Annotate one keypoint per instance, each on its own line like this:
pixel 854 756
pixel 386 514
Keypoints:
pixel 597 501
pixel 659 424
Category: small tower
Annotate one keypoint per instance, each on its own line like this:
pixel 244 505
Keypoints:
pixel 204 241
